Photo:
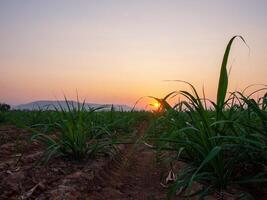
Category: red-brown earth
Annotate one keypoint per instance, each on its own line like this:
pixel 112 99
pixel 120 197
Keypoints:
pixel 132 174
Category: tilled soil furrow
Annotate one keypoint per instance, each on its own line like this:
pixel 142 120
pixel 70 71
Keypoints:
pixel 130 174
pixel 136 177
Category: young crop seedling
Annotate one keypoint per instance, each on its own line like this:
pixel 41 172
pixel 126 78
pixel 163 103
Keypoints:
pixel 220 145
pixel 78 137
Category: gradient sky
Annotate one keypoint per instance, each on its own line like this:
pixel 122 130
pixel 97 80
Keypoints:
pixel 115 51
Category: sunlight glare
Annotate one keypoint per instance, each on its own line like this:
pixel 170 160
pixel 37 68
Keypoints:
pixel 156 104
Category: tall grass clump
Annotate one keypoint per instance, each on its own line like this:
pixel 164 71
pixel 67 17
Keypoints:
pixel 77 137
pixel 222 147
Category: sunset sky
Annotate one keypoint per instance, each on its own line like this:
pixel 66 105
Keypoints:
pixel 115 51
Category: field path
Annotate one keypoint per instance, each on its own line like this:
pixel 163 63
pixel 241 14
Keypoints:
pixel 136 176
pixel 132 175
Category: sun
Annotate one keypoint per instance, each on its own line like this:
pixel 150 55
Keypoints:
pixel 156 104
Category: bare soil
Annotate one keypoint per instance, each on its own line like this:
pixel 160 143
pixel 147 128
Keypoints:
pixel 137 176
pixel 133 174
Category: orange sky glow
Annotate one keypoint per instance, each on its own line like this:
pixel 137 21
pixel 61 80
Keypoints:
pixel 118 51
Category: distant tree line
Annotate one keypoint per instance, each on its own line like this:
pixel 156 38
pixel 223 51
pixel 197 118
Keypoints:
pixel 4 107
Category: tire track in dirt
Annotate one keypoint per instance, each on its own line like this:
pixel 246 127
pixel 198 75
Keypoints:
pixel 132 174
pixel 137 177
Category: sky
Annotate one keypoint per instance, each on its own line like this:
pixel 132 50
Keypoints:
pixel 116 51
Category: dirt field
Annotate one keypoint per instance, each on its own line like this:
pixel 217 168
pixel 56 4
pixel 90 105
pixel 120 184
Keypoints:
pixel 132 174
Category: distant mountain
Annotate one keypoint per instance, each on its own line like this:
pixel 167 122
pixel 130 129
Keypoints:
pixel 53 105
